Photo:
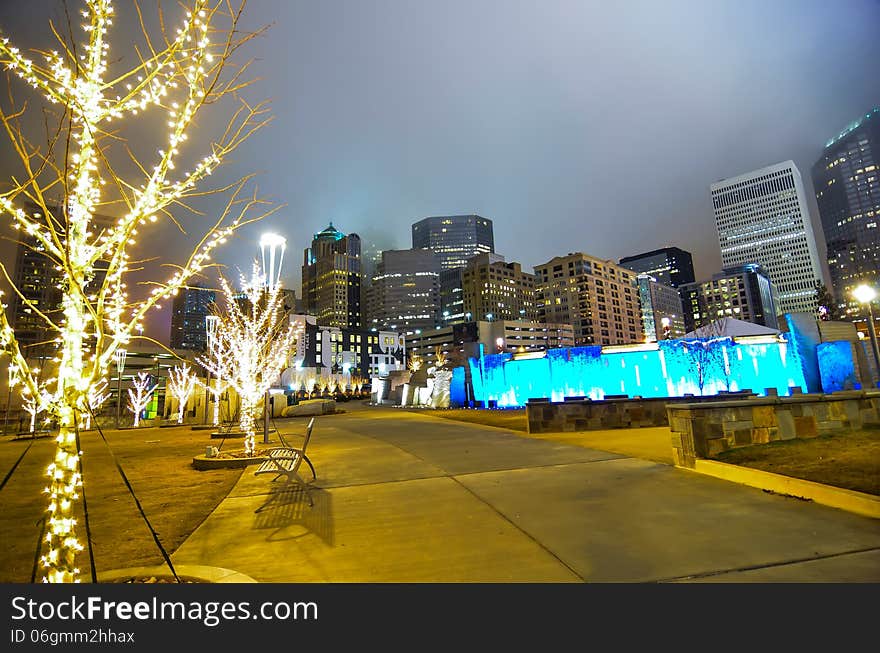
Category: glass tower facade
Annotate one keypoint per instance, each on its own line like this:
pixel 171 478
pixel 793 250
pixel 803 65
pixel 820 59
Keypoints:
pixel 847 183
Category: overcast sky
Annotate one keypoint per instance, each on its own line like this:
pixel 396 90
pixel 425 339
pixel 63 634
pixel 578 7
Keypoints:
pixel 574 125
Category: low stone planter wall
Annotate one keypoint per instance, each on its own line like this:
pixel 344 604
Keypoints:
pixel 583 414
pixel 702 430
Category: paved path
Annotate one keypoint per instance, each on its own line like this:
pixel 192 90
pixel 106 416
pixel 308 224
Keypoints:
pixel 405 497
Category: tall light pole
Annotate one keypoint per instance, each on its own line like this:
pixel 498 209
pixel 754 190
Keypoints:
pixel 272 248
pixel 120 365
pixel 13 379
pixel 865 294
pixel 210 329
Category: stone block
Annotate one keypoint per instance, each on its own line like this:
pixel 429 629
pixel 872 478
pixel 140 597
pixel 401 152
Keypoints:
pixel 805 426
pixel 742 437
pixel 310 407
pixel 786 425
pixel 760 435
pixel 716 446
pixel 853 414
pixel 763 416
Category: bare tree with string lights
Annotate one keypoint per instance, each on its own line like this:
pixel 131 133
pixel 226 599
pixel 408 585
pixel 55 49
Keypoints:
pixel 182 384
pixel 87 165
pixel 139 395
pixel 252 345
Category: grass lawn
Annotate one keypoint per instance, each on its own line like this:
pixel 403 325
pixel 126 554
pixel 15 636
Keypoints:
pixel 847 460
pixel 158 463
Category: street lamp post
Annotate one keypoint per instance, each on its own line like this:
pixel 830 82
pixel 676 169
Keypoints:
pixel 270 244
pixel 210 329
pixel 120 365
pixel 12 381
pixel 865 294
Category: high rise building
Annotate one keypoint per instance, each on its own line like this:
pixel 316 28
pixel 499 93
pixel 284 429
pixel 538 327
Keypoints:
pixel 39 282
pixel 762 217
pixel 847 183
pixel 454 239
pixel 191 305
pixel 331 278
pixel 744 292
pixel 669 265
pixel 496 290
pixel 405 291
pixel 662 315
pixel 598 298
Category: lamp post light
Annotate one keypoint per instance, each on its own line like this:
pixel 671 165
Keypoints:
pixel 120 365
pixel 865 294
pixel 210 329
pixel 13 379
pixel 271 244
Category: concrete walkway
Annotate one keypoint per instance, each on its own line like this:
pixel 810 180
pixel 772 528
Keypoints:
pixel 406 497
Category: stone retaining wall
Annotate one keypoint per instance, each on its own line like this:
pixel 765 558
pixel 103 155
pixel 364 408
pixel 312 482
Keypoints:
pixel 583 414
pixel 702 430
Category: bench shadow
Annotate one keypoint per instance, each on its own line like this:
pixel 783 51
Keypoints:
pixel 287 508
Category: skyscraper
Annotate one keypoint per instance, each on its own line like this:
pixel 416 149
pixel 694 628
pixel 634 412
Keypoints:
pixel 405 292
pixel 191 305
pixel 331 278
pixel 847 183
pixel 662 315
pixel 743 293
pixel 669 265
pixel 496 290
pixel 454 239
pixel 762 217
pixel 598 298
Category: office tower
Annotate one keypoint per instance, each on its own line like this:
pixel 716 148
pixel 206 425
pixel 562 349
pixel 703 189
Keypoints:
pixel 847 183
pixel 762 217
pixel 744 292
pixel 669 265
pixel 598 298
pixel 331 278
pixel 191 305
pixel 496 290
pixel 660 304
pixel 40 283
pixel 455 239
pixel 405 291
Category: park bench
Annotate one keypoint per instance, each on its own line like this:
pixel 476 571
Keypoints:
pixel 285 461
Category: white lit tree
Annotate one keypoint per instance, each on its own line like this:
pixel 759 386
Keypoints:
pixel 182 384
pixel 252 344
pixel 140 395
pixel 98 394
pixel 87 166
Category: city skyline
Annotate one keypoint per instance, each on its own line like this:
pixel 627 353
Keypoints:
pixel 604 127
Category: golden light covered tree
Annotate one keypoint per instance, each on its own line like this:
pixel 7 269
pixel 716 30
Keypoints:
pixel 87 167
pixel 252 344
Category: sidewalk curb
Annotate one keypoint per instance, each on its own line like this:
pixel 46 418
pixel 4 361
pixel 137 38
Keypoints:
pixel 859 503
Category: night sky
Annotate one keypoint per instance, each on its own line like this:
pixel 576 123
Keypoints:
pixel 575 126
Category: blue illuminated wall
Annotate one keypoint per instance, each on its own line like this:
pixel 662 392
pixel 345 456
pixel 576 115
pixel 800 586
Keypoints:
pixel 835 360
pixel 669 368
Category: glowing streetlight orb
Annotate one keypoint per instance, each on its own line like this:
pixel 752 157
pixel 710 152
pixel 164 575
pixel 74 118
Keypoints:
pixel 864 294
pixel 270 244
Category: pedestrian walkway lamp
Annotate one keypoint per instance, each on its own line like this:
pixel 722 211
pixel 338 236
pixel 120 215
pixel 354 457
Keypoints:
pixel 13 380
pixel 210 330
pixel 272 248
pixel 120 365
pixel 865 294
